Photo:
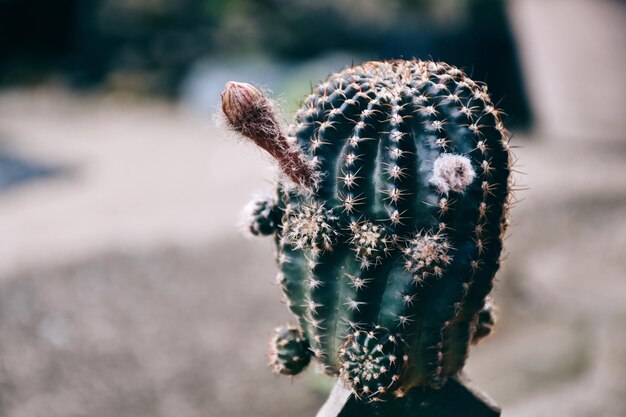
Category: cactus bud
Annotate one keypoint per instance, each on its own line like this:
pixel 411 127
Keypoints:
pixel 251 114
pixel 239 100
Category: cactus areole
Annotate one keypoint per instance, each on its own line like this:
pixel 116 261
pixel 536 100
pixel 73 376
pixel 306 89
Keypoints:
pixel 388 220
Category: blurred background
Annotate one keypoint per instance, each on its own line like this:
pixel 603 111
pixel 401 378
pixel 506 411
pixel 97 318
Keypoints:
pixel 125 287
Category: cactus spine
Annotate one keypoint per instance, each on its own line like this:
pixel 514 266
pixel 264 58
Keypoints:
pixel 389 219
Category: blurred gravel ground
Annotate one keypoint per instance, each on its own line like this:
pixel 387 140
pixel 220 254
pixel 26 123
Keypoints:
pixel 169 332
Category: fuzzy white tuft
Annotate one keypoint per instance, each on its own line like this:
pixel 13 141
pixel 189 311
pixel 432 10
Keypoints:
pixel 452 173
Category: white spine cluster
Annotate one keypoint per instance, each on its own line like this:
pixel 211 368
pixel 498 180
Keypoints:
pixel 370 242
pixel 427 254
pixel 311 226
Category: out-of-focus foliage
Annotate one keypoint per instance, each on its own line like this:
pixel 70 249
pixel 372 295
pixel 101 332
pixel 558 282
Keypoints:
pixel 149 45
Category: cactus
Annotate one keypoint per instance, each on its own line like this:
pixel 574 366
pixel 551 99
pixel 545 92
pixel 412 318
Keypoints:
pixel 388 219
pixel 289 351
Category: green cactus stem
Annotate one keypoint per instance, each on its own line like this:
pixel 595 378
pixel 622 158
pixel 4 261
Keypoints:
pixel 393 206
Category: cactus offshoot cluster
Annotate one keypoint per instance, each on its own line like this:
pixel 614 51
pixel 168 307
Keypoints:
pixel 388 221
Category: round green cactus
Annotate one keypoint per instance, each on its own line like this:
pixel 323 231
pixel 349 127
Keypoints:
pixel 393 206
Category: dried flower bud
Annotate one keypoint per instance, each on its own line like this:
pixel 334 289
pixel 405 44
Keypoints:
pixel 251 114
pixel 238 100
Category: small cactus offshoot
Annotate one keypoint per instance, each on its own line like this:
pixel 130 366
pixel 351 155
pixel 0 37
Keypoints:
pixel 261 216
pixel 373 362
pixel 289 351
pixel 388 220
